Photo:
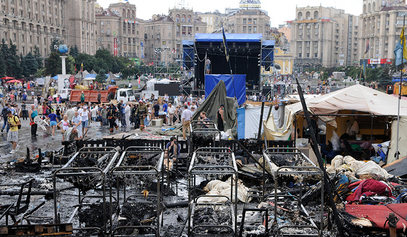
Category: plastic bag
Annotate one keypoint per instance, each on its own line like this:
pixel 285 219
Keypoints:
pixel 335 141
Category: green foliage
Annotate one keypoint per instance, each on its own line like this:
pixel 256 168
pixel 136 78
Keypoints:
pixel 2 65
pixel 70 65
pixel 40 72
pixel 37 56
pixel 53 64
pixel 74 51
pixel 31 65
pixel 101 77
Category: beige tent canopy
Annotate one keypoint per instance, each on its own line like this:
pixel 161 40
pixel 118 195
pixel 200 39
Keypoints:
pixel 356 98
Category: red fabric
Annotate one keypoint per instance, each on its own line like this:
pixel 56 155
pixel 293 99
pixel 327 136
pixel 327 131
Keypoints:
pixel 399 208
pixel 355 184
pixel 377 214
pixel 370 187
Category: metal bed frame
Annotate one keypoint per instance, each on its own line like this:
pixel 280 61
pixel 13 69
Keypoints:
pixel 311 170
pixel 156 171
pixel 68 170
pixel 209 167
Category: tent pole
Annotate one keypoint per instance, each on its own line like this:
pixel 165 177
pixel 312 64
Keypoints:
pixel 326 180
pixel 397 155
pixel 261 120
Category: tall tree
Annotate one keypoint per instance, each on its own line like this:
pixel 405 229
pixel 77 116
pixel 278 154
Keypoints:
pixel 2 65
pixel 23 66
pixel 31 64
pixel 53 64
pixel 38 57
pixel 13 62
pixel 70 65
pixel 74 51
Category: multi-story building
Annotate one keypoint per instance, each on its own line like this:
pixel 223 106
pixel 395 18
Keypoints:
pixel 247 21
pixel 120 31
pixel 164 34
pixel 381 24
pixel 324 36
pixel 214 20
pixel 81 24
pixel 30 23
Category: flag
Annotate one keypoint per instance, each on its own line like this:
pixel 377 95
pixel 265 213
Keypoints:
pixel 399 52
pixel 367 46
pixel 403 43
pixel 364 68
pixel 82 66
pixel 138 80
pixel 225 44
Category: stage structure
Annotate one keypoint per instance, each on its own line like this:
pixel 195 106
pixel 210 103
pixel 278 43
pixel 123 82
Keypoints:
pixel 247 52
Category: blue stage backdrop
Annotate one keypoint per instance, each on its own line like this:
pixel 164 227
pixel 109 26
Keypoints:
pixel 234 87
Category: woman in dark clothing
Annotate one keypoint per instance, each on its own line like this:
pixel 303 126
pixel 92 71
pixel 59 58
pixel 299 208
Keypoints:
pixel 220 118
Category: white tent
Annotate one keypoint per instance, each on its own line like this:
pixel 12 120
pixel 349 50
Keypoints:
pixel 354 98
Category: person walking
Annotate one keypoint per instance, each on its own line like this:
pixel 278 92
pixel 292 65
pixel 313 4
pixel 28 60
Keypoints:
pixel 82 97
pixel 85 119
pixel 171 112
pixel 32 114
pixel 65 126
pixel 4 112
pixel 111 116
pixel 186 121
pixel 70 112
pixel 127 115
pixel 52 121
pixel 12 135
pixel 142 113
pixel 156 108
pixel 165 110
pixel 77 123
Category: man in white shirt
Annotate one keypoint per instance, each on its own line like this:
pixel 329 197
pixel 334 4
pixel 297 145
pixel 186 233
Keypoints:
pixel 171 112
pixel 186 121
pixel 70 112
pixel 77 123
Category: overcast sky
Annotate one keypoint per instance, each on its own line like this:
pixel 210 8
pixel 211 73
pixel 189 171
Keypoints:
pixel 278 10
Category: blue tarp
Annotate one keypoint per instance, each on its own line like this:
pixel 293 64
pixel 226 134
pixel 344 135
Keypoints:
pixel 90 76
pixel 200 37
pixel 55 77
pixel 395 79
pixel 241 115
pixel 235 87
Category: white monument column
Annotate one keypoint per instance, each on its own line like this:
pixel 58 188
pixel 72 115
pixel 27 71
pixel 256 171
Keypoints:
pixel 63 65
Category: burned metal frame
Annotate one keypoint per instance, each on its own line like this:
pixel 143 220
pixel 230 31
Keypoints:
pixel 156 170
pixel 253 210
pixel 299 170
pixel 194 205
pixel 204 169
pixel 68 171
pixel 15 208
pixel 197 128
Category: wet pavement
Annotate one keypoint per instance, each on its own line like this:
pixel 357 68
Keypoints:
pixel 44 140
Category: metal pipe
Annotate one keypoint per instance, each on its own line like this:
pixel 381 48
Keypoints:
pixel 261 120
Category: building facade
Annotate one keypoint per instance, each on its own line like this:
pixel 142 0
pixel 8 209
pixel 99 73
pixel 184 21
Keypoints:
pixel 30 23
pixel 164 35
pixel 81 24
pixel 214 21
pixel 322 36
pixel 247 21
pixel 381 25
pixel 120 31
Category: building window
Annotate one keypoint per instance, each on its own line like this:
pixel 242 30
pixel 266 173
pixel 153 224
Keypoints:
pixel 254 21
pixel 244 20
pixel 307 55
pixel 254 29
pixel 299 55
pixel 244 29
pixel 316 55
pixel 249 30
pixel 197 28
pixel 249 21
